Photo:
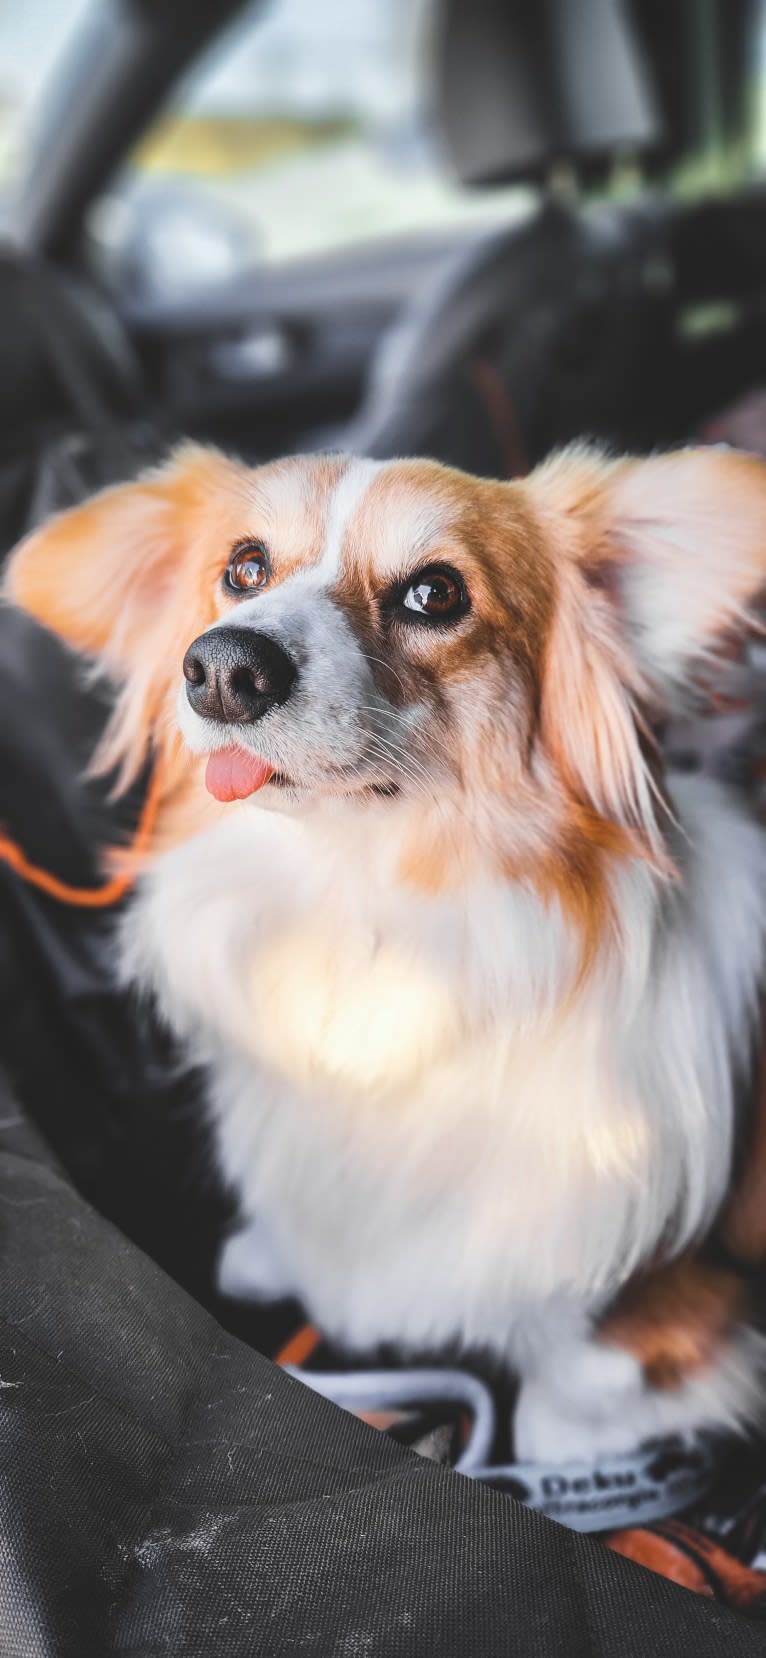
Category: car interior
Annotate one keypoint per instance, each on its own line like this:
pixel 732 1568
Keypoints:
pixel 622 300
pixel 582 316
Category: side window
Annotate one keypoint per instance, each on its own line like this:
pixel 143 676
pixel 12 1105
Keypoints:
pixel 34 37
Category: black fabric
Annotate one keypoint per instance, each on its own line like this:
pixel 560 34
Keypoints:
pixel 100 1078
pixel 167 1491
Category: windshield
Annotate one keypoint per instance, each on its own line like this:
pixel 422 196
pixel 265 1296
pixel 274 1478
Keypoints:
pixel 302 130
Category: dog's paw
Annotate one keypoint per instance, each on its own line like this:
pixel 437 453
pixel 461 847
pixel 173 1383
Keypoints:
pixel 585 1405
pixel 592 1399
pixel 250 1267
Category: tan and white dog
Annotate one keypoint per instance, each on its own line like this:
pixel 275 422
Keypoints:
pixel 477 984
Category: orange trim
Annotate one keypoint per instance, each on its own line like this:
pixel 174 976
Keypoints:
pixel 502 415
pixel 90 898
pixel 299 1346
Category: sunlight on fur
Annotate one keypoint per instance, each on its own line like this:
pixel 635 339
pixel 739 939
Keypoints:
pixel 373 1024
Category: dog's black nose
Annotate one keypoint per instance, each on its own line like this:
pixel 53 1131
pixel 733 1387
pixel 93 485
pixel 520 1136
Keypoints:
pixel 236 675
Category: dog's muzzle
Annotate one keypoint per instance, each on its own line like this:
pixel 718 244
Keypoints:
pixel 235 675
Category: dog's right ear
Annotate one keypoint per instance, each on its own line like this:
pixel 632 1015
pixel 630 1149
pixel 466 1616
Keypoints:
pixel 129 578
pixel 98 574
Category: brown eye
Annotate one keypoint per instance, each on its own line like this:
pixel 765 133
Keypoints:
pixel 437 595
pixel 248 568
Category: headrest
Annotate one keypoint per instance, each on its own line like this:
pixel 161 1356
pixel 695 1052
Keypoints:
pixel 523 83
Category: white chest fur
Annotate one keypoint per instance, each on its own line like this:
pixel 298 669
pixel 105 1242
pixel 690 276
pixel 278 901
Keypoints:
pixel 438 1140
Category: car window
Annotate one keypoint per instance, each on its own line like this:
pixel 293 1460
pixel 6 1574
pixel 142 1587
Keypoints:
pixel 303 130
pixel 34 37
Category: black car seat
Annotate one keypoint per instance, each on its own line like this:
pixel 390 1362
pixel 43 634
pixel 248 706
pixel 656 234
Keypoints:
pixel 562 323
pixel 552 329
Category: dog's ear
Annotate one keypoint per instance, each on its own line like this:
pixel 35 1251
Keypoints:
pixel 128 579
pixel 98 574
pixel 676 542
pixel 657 562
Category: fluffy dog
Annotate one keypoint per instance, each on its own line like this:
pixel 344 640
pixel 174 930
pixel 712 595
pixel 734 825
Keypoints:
pixel 475 980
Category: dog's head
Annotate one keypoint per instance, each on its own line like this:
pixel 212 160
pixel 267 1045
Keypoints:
pixel 402 633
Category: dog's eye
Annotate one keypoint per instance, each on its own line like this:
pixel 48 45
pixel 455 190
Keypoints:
pixel 248 568
pixel 437 594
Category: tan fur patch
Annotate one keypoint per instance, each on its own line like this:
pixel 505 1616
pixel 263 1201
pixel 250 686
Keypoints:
pixel 743 1223
pixel 675 1318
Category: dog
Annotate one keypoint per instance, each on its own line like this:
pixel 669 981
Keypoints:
pixel 475 978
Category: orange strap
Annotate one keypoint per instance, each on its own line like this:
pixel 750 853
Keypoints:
pixel 299 1347
pixel 502 415
pixel 90 898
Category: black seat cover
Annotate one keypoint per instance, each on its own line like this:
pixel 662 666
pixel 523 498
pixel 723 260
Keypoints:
pixel 165 1490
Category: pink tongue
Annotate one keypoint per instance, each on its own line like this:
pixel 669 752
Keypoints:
pixel 231 774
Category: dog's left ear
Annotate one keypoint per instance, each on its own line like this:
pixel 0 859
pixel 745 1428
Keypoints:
pixel 677 542
pixel 654 562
